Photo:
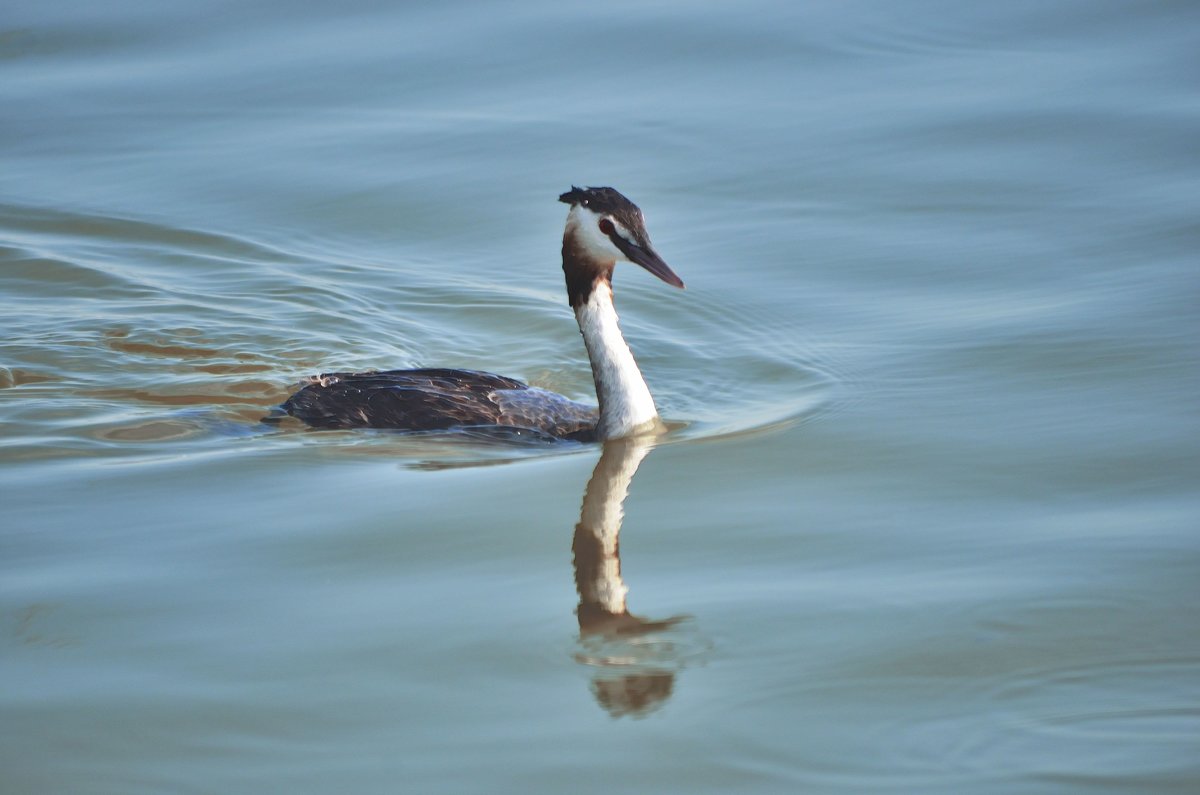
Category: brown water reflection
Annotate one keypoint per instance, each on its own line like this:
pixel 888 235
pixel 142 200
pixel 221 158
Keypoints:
pixel 635 662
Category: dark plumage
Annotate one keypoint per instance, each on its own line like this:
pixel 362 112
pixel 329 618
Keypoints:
pixel 437 400
pixel 606 201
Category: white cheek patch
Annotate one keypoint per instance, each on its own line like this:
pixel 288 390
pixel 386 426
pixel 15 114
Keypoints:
pixel 585 226
pixel 625 234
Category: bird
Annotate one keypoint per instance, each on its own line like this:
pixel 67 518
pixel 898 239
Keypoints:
pixel 602 228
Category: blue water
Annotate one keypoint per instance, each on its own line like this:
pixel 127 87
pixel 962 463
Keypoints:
pixel 927 518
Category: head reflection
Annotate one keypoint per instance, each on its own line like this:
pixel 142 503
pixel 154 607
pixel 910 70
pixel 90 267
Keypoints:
pixel 633 659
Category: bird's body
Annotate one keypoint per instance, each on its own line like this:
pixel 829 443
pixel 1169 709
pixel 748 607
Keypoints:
pixel 438 400
pixel 602 227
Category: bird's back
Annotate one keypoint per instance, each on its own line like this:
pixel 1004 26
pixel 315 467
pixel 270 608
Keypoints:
pixel 436 400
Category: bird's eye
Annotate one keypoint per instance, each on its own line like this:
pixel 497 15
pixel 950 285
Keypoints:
pixel 606 226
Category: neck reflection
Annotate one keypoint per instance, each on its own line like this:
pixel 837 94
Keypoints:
pixel 634 665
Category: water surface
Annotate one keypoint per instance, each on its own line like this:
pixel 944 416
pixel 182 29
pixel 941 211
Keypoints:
pixel 926 522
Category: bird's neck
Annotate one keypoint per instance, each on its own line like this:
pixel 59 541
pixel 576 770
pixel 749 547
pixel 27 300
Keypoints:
pixel 626 407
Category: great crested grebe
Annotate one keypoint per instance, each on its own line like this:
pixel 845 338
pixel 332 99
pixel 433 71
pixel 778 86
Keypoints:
pixel 602 227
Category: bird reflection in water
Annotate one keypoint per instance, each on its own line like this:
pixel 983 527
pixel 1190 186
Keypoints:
pixel 635 659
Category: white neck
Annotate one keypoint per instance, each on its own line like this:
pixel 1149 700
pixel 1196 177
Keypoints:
pixel 626 407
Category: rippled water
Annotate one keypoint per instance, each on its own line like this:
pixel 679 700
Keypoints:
pixel 925 522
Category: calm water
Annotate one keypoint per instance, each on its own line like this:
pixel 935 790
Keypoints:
pixel 929 519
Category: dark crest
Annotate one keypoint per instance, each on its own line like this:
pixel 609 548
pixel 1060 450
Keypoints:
pixel 606 201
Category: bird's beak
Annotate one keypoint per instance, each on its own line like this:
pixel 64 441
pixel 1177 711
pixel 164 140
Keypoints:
pixel 648 258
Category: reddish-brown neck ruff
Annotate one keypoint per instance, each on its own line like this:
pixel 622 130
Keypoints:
pixel 583 271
